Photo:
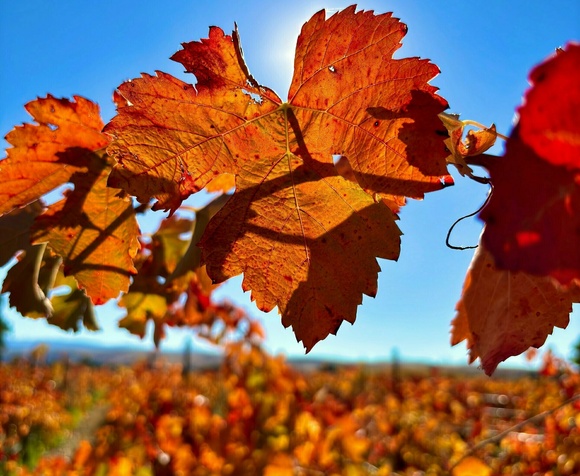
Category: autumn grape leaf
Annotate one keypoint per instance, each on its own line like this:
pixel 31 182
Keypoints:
pixel 45 155
pixel 549 117
pixel 504 313
pixel 94 230
pixel 533 216
pixel 306 238
pixel 221 184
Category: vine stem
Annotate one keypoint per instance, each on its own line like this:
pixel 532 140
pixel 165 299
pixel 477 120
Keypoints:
pixel 517 426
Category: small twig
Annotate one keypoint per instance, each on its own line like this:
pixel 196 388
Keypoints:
pixel 517 426
pixel 462 248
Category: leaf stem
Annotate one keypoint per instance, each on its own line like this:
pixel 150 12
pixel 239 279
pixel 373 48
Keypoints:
pixel 482 160
pixel 469 122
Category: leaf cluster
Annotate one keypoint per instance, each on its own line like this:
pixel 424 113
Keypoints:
pixel 318 181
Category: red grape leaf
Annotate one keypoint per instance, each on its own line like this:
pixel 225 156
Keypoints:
pixel 533 216
pixel 503 313
pixel 45 156
pixel 306 238
pixel 94 230
pixel 549 117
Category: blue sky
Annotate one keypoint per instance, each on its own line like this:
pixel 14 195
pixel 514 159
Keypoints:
pixel 484 50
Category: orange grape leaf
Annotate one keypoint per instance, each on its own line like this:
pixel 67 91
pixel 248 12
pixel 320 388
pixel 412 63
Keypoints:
pixel 313 263
pixel 45 155
pixel 504 313
pixel 94 230
pixel 222 183
pixel 549 117
pixel 533 216
pixel 294 226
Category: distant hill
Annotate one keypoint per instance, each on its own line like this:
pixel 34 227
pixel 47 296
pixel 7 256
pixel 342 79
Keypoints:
pixel 103 355
pixel 99 354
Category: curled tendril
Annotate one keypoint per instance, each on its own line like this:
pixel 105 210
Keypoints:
pixel 453 247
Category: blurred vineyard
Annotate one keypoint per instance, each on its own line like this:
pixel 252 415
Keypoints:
pixel 255 415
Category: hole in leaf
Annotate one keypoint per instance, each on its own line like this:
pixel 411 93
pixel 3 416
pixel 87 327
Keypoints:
pixel 255 97
pixel 332 69
pixel 52 127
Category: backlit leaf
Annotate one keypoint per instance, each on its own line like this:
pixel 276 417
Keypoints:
pixel 45 155
pixel 503 313
pixel 94 230
pixel 306 238
pixel 533 217
pixel 222 183
pixel 549 117
pixel 313 264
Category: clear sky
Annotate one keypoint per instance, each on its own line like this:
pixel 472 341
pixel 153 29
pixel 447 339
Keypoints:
pixel 484 50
